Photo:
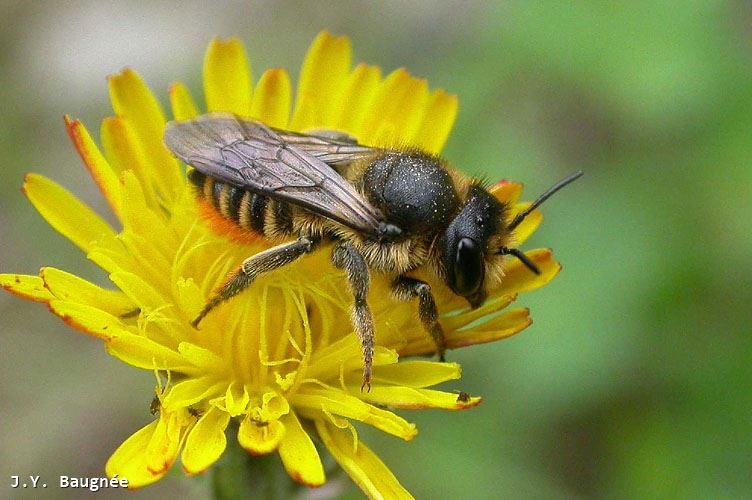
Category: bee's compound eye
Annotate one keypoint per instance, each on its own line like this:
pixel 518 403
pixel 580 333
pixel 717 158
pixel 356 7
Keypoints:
pixel 468 267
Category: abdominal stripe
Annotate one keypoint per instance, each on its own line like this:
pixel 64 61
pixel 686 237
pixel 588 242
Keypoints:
pixel 244 208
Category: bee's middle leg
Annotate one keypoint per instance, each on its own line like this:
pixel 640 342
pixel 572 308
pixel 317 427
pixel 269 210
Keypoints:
pixel 345 256
pixel 406 288
pixel 254 266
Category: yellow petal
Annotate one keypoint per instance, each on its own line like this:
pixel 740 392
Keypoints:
pixel 409 398
pixel 192 390
pixel 333 355
pixel 271 101
pixel 108 258
pixel 273 406
pixel 389 91
pixel 190 298
pixel 310 401
pixel 437 122
pixel 299 455
pixel 65 212
pixel 87 319
pixel 129 460
pixel 139 291
pixel 260 438
pixel 28 287
pixel 400 115
pixel 201 357
pixel 506 191
pixel 236 399
pixel 493 328
pixel 401 103
pixel 142 352
pixel 132 100
pixel 71 288
pixel 361 464
pixel 357 96
pixel 136 255
pixel 141 222
pixel 416 373
pixel 162 449
pixel 125 152
pixel 183 105
pixel 101 171
pixel 519 278
pixel 227 77
pixel 345 355
pixel 466 316
pixel 321 82
pixel 496 328
pixel 205 442
pixel 305 114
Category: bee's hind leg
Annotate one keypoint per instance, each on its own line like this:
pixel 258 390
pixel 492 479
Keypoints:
pixel 406 288
pixel 345 256
pixel 254 266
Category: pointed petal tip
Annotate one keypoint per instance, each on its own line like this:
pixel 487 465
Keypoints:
pixel 126 71
pixel 300 479
pixel 95 163
pixel 503 183
pixel 189 472
pixel 227 75
pixel 506 191
pixel 225 40
pixel 25 182
pixel 275 72
pixel 71 124
pixel 87 319
pixel 25 286
pixel 326 36
pixel 548 254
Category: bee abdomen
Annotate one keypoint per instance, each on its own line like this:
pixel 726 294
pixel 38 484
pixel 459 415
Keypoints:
pixel 196 178
pixel 252 212
pixel 246 210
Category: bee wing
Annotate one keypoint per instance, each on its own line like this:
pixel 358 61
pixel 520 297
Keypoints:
pixel 332 148
pixel 252 156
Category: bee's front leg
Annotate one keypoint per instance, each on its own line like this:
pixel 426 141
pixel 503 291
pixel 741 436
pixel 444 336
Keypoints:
pixel 345 256
pixel 406 288
pixel 254 266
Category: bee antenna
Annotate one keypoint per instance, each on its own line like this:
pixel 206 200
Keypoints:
pixel 521 216
pixel 513 251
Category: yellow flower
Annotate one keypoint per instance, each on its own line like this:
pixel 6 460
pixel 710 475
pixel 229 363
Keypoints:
pixel 281 359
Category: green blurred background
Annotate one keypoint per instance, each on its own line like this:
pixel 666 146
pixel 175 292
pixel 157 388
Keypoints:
pixel 634 380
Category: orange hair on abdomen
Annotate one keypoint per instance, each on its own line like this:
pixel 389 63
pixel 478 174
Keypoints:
pixel 222 225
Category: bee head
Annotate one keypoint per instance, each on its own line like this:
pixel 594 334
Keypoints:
pixel 465 245
pixel 465 241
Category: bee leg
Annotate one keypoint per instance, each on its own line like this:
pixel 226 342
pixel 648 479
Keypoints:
pixel 406 288
pixel 345 256
pixel 254 266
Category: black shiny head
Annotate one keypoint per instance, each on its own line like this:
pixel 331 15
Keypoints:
pixel 466 239
pixel 464 243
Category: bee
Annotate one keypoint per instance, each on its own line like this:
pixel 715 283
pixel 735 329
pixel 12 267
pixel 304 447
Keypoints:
pixel 389 211
pixel 463 397
pixel 155 405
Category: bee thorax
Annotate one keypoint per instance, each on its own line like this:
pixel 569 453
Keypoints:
pixel 412 190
